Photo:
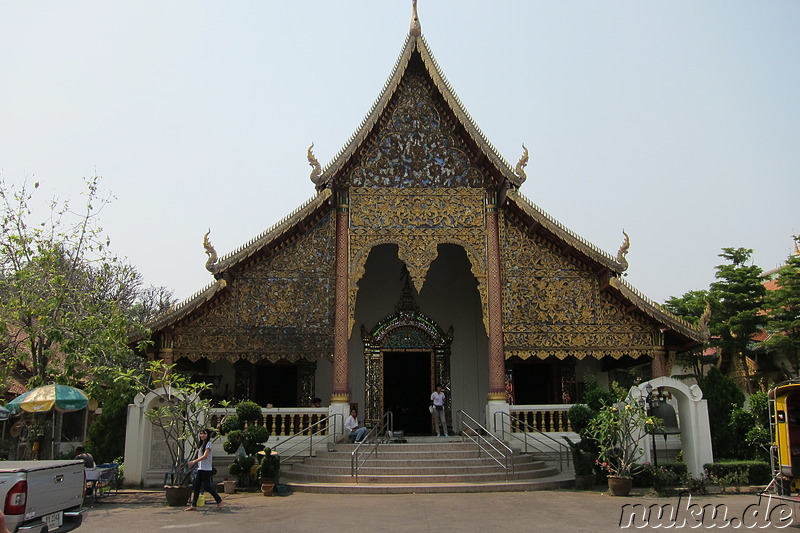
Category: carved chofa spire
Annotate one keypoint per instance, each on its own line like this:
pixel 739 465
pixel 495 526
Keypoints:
pixel 316 169
pixel 416 29
pixel 796 239
pixel 623 251
pixel 705 320
pixel 523 162
pixel 211 252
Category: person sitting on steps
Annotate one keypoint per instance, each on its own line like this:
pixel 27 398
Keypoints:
pixel 354 430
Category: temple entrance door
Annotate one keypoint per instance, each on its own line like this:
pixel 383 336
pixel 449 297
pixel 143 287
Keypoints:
pixel 407 387
pixel 276 385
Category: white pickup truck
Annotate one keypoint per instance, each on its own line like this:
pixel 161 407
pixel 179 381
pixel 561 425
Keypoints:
pixel 42 496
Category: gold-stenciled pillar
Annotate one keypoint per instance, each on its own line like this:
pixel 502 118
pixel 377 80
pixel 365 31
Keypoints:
pixel 497 391
pixel 341 383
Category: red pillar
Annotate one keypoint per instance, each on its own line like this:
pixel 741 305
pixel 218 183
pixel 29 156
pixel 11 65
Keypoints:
pixel 341 382
pixel 496 350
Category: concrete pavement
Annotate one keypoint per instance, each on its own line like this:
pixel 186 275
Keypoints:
pixel 566 510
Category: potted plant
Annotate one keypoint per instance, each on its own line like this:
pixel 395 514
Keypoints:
pixel 245 440
pixel 180 413
pixel 618 429
pixel 583 461
pixel 270 470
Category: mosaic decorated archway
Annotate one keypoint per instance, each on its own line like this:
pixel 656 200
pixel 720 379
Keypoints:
pixel 406 330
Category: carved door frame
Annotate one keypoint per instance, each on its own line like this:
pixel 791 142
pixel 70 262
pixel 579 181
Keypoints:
pixel 410 331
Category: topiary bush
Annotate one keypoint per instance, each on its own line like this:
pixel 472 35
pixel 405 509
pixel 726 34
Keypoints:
pixel 245 438
pixel 248 412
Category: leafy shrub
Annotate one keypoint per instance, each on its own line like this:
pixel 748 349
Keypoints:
pixel 662 478
pixel 757 472
pixel 230 423
pixel 696 485
pixel 579 415
pixel 248 411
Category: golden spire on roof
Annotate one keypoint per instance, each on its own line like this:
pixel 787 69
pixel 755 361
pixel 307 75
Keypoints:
pixel 796 239
pixel 416 29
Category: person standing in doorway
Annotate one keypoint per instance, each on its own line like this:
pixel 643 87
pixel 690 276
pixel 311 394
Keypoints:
pixel 437 402
pixel 204 469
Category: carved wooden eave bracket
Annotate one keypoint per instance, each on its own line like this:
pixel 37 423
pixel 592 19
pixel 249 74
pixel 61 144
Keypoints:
pixel 693 334
pixel 275 232
pixel 174 314
pixel 415 43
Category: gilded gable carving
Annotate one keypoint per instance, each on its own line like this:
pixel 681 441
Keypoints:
pixel 417 220
pixel 278 307
pixel 553 305
pixel 417 145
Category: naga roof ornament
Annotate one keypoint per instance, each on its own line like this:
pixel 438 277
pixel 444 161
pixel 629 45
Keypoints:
pixel 521 164
pixel 416 28
pixel 705 319
pixel 796 239
pixel 316 168
pixel 211 263
pixel 623 251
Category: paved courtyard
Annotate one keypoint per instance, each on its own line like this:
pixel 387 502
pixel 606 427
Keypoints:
pixel 508 512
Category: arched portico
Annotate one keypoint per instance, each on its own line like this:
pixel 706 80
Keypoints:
pixel 693 417
pixel 416 342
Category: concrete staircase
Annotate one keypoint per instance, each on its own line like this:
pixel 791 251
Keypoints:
pixel 422 465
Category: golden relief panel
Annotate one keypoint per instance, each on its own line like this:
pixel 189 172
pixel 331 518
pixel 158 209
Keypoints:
pixel 417 220
pixel 417 145
pixel 278 307
pixel 553 305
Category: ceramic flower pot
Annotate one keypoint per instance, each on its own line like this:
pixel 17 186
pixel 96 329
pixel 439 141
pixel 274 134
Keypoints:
pixel 619 485
pixel 177 496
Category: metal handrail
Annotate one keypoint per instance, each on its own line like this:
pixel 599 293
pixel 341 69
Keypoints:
pixel 476 435
pixel 559 450
pixel 322 425
pixel 370 441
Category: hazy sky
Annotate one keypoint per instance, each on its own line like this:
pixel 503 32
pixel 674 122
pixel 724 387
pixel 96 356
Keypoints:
pixel 678 121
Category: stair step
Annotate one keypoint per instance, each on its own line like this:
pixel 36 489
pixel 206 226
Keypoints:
pixel 420 465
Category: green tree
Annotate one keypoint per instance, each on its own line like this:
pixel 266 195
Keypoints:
pixel 737 298
pixel 723 396
pixel 783 314
pixel 692 307
pixel 67 304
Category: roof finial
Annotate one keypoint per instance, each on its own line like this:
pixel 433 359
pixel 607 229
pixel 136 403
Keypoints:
pixel 623 251
pixel 523 162
pixel 316 169
pixel 416 29
pixel 211 263
pixel 796 239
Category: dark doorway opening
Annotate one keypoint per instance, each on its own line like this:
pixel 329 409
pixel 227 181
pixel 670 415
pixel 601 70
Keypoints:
pixel 407 390
pixel 534 383
pixel 275 384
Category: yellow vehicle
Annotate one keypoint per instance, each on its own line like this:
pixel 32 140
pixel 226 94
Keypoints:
pixel 784 406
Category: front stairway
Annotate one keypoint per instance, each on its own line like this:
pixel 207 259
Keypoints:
pixel 421 465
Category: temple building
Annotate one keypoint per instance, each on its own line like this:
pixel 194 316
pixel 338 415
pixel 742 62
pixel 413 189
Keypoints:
pixel 417 261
